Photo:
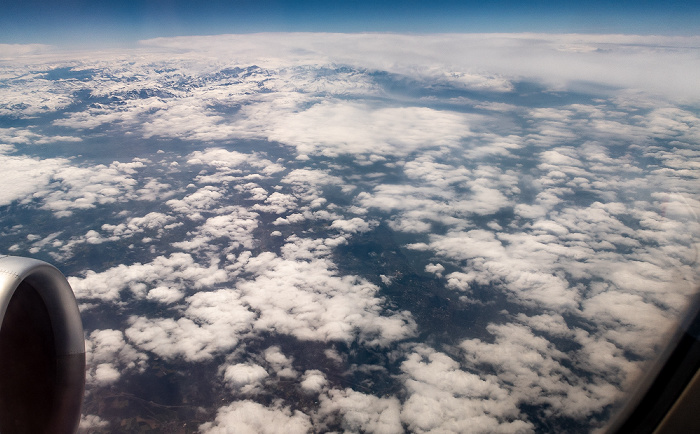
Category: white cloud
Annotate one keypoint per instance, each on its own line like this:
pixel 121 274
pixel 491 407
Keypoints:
pixel 332 128
pixel 436 269
pixel 522 272
pixel 277 203
pixel 236 226
pixel 280 364
pixel 74 187
pixel 27 136
pixel 213 322
pixel 360 412
pixel 353 225
pixel 108 355
pixel 564 61
pixel 29 175
pixel 251 417
pixel 313 381
pixel 300 293
pixel 178 271
pixel 439 195
pixel 30 94
pixel 195 203
pixel 13 50
pixel 89 422
pixel 539 374
pixel 244 377
pixel 230 162
pixel 164 294
pixel 151 221
pixel 444 398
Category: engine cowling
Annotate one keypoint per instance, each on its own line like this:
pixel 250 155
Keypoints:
pixel 42 349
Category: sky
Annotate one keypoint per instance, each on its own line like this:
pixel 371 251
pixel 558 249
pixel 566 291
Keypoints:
pixel 110 23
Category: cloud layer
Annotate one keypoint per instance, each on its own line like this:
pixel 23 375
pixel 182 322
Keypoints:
pixel 361 233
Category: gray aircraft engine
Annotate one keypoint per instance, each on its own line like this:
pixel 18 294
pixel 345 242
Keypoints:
pixel 42 349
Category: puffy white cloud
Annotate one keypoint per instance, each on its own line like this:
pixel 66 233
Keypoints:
pixel 280 364
pixel 313 381
pixel 551 323
pixel 278 203
pixel 332 128
pixel 213 322
pixel 27 136
pixel 90 422
pixel 28 176
pixel 360 412
pixel 444 398
pixel 353 225
pixel 300 293
pixel 251 417
pixel 534 371
pixel 244 377
pixel 628 321
pixel 236 226
pixel 438 195
pixel 202 200
pixel 164 294
pixel 151 221
pixel 87 187
pixel 178 271
pixel 436 269
pixel 230 162
pixel 108 355
pixel 308 185
pixel 525 273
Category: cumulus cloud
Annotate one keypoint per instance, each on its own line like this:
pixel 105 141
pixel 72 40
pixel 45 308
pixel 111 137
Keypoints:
pixel 88 187
pixel 313 381
pixel 89 422
pixel 233 162
pixel 236 226
pixel 194 204
pixel 352 225
pixel 442 194
pixel 280 364
pixel 493 263
pixel 164 294
pixel 442 397
pixel 360 412
pixel 178 271
pixel 436 269
pixel 277 203
pixel 332 128
pixel 539 372
pixel 29 175
pixel 213 322
pixel 300 293
pixel 251 417
pixel 244 377
pixel 108 355
pixel 27 136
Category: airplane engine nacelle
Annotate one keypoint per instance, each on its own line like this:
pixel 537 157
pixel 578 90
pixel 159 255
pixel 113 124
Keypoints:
pixel 42 349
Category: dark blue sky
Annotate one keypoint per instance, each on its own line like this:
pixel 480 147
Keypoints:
pixel 98 22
